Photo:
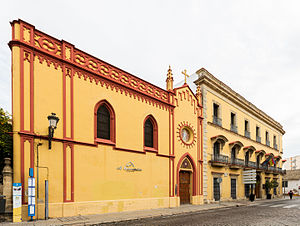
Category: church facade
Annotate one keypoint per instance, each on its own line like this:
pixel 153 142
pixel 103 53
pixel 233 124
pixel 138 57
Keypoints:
pixel 121 143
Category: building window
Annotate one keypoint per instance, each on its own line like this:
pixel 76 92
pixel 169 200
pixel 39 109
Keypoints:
pixel 247 130
pixel 104 122
pixel 233 126
pixel 216 115
pixel 267 139
pixel 258 138
pixel 150 133
pixel 275 142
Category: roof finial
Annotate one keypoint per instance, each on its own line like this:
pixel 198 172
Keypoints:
pixel 185 75
pixel 169 79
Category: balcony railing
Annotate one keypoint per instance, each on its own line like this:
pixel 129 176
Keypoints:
pixel 247 134
pixel 217 121
pixel 262 167
pixel 267 142
pixel 233 128
pixel 219 158
pixel 236 161
pixel 250 164
pixel 275 146
pixel 258 139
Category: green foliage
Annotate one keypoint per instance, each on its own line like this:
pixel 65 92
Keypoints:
pixel 6 141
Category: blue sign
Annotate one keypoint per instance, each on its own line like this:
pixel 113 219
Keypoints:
pixel 31 194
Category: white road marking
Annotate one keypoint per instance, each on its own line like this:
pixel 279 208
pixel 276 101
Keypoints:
pixel 289 206
pixel 277 205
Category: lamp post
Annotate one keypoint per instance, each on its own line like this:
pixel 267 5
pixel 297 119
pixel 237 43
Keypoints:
pixel 53 120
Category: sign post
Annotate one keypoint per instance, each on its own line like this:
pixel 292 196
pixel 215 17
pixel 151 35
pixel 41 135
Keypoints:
pixel 249 177
pixel 17 202
pixel 31 194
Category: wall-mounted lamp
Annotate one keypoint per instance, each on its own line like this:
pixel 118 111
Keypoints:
pixel 53 120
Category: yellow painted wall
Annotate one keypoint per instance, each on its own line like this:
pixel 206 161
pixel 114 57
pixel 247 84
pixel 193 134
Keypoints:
pixel 226 107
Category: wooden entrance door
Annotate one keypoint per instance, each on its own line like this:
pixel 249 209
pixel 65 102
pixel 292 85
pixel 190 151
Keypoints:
pixel 184 187
pixel 216 189
pixel 233 188
pixel 257 187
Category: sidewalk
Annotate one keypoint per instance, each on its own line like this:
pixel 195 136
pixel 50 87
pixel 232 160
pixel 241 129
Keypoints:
pixel 133 215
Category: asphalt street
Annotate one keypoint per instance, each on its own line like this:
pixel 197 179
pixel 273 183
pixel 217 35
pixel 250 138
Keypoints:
pixel 279 212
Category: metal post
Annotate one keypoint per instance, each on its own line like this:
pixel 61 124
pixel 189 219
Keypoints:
pixel 46 200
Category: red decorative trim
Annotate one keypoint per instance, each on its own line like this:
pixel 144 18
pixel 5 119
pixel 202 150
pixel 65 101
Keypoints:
pixel 55 48
pixel 65 145
pixel 31 92
pixel 89 144
pixel 284 160
pixel 23 139
pixel 219 137
pixel 236 143
pixel 22 89
pixel 189 126
pixel 72 105
pixel 112 121
pixel 187 155
pixel 269 154
pixel 64 102
pixel 155 134
pixel 250 148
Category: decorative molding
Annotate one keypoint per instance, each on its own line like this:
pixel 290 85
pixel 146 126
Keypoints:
pixel 206 78
pixel 189 126
pixel 67 53
pixel 227 130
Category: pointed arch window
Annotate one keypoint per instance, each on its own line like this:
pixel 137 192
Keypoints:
pixel 150 134
pixel 104 123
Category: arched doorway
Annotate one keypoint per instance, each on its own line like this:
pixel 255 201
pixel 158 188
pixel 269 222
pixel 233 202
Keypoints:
pixel 258 186
pixel 186 181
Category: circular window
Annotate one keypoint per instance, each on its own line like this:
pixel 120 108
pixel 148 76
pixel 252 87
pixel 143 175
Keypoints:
pixel 186 135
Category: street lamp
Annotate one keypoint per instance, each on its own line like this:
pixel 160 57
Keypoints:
pixel 53 120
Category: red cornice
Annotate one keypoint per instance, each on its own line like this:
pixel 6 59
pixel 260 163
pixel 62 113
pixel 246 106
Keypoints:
pixel 58 49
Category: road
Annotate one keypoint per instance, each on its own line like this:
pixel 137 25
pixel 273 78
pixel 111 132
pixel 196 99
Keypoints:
pixel 279 212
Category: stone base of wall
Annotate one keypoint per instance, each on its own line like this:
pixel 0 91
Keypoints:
pixel 100 207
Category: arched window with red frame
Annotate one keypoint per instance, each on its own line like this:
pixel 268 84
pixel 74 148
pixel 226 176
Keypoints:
pixel 104 123
pixel 150 134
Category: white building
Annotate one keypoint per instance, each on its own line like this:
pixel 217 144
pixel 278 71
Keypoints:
pixel 292 163
pixel 293 181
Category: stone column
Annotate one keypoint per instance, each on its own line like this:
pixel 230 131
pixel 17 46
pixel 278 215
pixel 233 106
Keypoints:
pixel 7 184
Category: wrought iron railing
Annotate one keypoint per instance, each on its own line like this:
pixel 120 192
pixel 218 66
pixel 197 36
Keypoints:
pixel 219 158
pixel 250 164
pixel 233 128
pixel 247 134
pixel 267 142
pixel 217 121
pixel 236 161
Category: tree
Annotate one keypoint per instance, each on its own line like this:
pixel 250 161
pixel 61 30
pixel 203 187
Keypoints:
pixel 6 141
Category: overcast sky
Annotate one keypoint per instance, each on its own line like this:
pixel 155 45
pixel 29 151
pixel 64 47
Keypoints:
pixel 252 46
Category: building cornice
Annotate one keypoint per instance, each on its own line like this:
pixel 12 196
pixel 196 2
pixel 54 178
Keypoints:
pixel 206 78
pixel 66 53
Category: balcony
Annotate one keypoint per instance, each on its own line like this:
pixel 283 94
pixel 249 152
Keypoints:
pixel 260 167
pixel 247 134
pixel 268 143
pixel 219 160
pixel 258 139
pixel 236 163
pixel 275 146
pixel 217 121
pixel 233 128
pixel 250 164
